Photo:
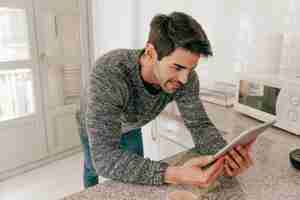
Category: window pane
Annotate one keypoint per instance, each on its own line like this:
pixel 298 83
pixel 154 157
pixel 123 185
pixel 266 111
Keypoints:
pixel 258 96
pixel 16 96
pixel 14 44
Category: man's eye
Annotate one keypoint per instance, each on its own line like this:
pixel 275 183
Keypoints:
pixel 178 68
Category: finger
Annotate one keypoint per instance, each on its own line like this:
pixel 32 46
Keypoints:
pixel 212 179
pixel 250 144
pixel 234 168
pixel 253 141
pixel 237 158
pixel 251 162
pixel 210 175
pixel 199 161
pixel 228 170
pixel 229 161
pixel 245 156
pixel 215 175
pixel 248 148
pixel 214 168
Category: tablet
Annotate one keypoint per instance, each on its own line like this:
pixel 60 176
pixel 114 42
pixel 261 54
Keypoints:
pixel 244 138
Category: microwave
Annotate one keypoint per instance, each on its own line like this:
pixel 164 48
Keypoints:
pixel 270 97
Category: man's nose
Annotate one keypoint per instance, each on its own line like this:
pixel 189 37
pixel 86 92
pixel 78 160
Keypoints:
pixel 183 77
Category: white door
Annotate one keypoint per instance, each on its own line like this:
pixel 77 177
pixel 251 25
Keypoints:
pixel 22 132
pixel 64 54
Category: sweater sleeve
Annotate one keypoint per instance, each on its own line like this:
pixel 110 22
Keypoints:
pixel 106 99
pixel 206 137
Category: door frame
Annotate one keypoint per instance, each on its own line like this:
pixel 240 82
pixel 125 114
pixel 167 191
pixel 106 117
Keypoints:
pixel 86 60
pixel 32 64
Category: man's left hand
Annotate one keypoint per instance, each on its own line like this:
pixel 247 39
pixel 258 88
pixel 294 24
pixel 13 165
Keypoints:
pixel 238 160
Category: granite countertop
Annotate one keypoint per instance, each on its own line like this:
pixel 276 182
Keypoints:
pixel 271 178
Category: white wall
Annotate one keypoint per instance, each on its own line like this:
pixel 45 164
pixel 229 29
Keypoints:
pixel 261 27
pixel 245 35
pixel 114 24
pixel 148 9
pixel 291 43
pixel 223 35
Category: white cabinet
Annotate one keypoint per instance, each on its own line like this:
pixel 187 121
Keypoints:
pixel 150 141
pixel 168 148
pixel 166 135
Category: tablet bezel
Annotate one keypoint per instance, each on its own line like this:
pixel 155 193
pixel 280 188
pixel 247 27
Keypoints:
pixel 244 138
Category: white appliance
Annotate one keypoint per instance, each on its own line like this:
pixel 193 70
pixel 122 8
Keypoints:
pixel 268 97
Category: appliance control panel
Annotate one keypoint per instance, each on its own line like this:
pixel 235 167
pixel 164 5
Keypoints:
pixel 288 109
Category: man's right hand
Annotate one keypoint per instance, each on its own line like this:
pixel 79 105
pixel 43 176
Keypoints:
pixel 191 172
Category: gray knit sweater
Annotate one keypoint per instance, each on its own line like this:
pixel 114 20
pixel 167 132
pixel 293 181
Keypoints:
pixel 118 101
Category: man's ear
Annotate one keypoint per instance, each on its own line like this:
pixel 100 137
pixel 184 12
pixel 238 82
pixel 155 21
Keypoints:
pixel 150 52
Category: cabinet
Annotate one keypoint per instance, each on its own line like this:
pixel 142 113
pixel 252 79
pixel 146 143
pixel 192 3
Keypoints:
pixel 166 135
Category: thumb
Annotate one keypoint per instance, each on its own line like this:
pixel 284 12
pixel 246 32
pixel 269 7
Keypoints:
pixel 199 161
pixel 250 144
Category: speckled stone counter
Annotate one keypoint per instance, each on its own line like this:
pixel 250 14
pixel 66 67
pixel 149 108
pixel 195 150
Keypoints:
pixel 271 178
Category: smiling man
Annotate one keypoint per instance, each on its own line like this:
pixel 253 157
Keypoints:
pixel 129 88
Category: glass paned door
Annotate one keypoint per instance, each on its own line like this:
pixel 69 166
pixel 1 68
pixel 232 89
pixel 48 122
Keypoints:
pixel 22 130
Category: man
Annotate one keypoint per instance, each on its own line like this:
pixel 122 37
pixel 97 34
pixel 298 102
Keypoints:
pixel 129 88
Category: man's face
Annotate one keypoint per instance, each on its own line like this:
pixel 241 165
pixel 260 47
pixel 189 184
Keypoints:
pixel 173 71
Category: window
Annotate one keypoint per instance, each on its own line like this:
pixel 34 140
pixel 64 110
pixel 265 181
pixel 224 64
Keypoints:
pixel 16 96
pixel 14 44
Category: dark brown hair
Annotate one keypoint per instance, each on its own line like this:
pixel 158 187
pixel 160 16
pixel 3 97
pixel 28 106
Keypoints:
pixel 168 32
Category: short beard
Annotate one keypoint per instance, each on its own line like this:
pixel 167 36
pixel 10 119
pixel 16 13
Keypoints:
pixel 156 73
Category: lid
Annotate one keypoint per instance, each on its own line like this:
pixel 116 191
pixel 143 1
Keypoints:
pixel 295 158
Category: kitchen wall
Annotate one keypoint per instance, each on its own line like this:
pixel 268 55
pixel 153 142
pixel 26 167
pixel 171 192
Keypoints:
pixel 114 24
pixel 246 35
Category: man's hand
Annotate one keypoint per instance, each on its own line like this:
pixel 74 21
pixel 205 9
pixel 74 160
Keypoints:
pixel 238 160
pixel 191 173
